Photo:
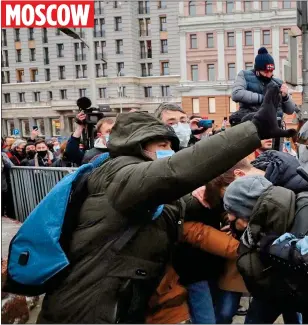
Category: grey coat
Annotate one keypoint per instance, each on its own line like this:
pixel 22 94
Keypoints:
pixel 249 90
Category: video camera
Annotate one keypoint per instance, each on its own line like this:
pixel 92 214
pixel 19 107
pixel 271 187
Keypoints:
pixel 93 114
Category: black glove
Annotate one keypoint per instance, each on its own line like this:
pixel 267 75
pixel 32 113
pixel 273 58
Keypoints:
pixel 266 118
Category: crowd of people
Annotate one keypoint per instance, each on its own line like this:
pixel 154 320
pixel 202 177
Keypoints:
pixel 220 213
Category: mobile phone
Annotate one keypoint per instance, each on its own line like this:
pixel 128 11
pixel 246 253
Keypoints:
pixel 287 145
pixel 35 127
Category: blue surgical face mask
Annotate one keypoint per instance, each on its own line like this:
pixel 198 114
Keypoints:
pixel 164 153
pixel 183 132
pixel 107 138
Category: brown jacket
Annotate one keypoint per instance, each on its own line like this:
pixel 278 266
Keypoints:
pixel 168 305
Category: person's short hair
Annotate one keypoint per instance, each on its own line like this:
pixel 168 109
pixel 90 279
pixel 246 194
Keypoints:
pixel 214 187
pixel 105 120
pixel 17 143
pixel 194 116
pixel 167 107
pixel 39 141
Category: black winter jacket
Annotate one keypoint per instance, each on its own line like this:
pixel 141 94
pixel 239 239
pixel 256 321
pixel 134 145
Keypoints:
pixel 280 169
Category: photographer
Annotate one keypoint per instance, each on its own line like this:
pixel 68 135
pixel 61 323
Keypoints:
pixel 79 157
pixel 250 85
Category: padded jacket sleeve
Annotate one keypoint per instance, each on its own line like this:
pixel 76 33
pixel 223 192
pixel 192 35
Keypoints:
pixel 73 153
pixel 210 240
pixel 148 184
pixel 240 94
pixel 288 106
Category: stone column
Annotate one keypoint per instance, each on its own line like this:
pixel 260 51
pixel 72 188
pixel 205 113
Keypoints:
pixel 239 50
pixel 221 55
pixel 256 40
pixel 47 125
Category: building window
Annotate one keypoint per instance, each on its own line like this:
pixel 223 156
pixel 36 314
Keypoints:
pixel 104 69
pixel 193 41
pixel 46 55
pixel 47 74
pixel 25 128
pixel 56 127
pixel 232 106
pixel 286 36
pixel 194 72
pixel 58 32
pixel 164 46
pixel 211 72
pixel 247 6
pixel 147 92
pixel 248 38
pixel 84 71
pixel 49 95
pixel 118 23
pixel 31 34
pixel 18 55
pixel 60 50
pixel 163 24
pixel 78 70
pixel 165 68
pixel 195 106
pixel 10 126
pixel 210 40
pixel 119 46
pixel 5 77
pixel 116 4
pixel 63 93
pixel 7 98
pixel 4 39
pixel 32 54
pixel 33 75
pixel 102 92
pixel 150 69
pixel 17 34
pixel 248 66
pixel 212 105
pixel 265 5
pixel 231 71
pixel 230 6
pixel 98 70
pixel 122 91
pixel 120 68
pixel 286 4
pixel 44 35
pixel 82 92
pixel 231 42
pixel 61 72
pixel 143 70
pixel 41 125
pixel 37 96
pixel 165 91
pixel 192 8
pixel 162 4
pixel 20 75
pixel 21 97
pixel 266 35
pixel 208 7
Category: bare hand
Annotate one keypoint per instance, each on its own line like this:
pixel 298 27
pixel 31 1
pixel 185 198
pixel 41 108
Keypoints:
pixel 81 116
pixel 34 134
pixel 194 124
pixel 284 90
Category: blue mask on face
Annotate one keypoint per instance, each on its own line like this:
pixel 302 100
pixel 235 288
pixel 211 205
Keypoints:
pixel 164 153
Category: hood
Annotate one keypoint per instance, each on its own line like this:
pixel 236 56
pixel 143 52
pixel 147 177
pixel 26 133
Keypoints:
pixel 273 213
pixel 131 130
pixel 280 169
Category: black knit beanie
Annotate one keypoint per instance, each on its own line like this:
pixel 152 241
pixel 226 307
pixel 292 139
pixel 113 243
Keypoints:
pixel 264 61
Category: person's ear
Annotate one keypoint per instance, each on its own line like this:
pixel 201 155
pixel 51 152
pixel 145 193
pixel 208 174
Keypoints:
pixel 239 173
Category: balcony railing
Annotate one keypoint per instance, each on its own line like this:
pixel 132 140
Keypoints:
pixel 144 10
pixel 145 32
pixel 99 11
pixel 99 33
pixel 80 57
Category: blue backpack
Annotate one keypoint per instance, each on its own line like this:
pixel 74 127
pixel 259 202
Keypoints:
pixel 37 256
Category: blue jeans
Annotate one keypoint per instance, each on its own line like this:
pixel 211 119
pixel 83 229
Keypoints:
pixel 200 303
pixel 262 312
pixel 210 305
pixel 226 305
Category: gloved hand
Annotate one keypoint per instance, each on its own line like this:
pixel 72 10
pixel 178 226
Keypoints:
pixel 266 118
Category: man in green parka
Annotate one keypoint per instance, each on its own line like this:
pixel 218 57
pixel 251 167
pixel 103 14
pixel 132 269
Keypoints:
pixel 142 184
